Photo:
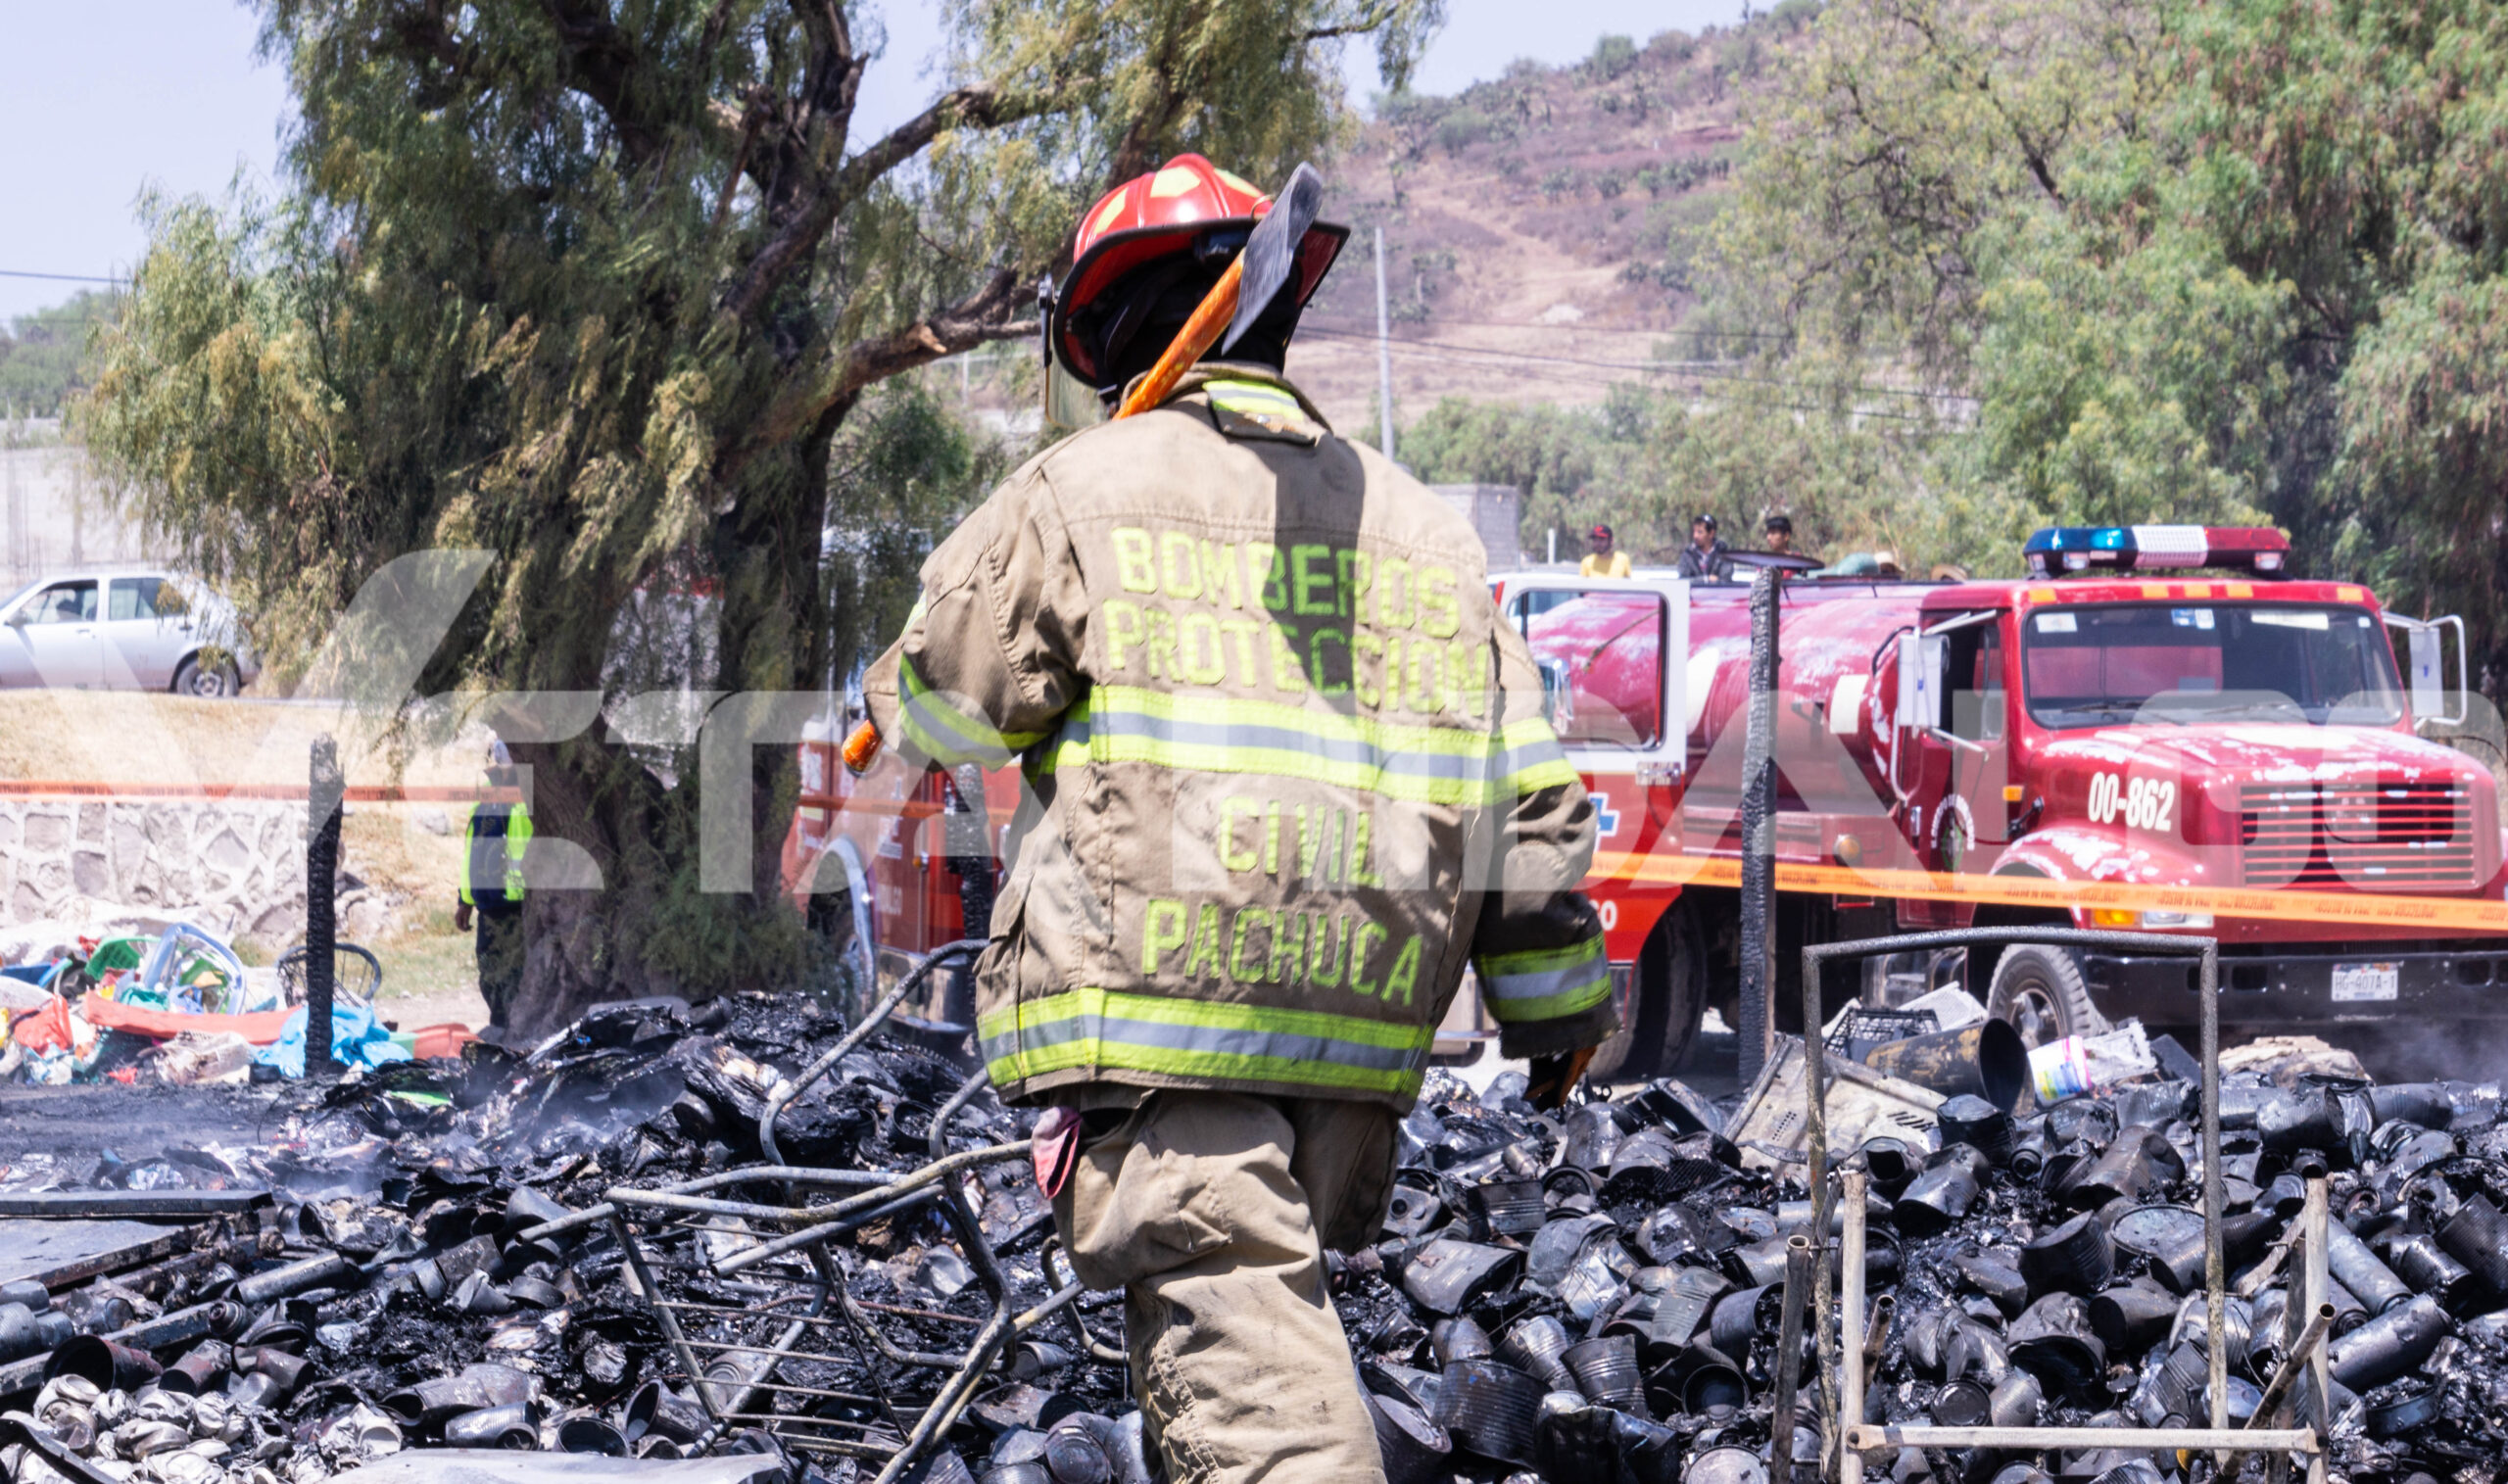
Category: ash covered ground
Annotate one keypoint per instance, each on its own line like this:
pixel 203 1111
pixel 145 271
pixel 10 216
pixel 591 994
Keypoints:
pixel 439 1273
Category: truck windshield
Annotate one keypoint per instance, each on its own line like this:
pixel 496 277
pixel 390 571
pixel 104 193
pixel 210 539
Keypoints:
pixel 2099 664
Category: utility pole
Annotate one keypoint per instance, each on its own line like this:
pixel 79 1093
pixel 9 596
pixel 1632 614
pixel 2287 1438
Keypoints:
pixel 1384 351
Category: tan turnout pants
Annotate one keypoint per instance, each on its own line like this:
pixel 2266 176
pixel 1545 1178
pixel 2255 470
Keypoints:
pixel 1206 1209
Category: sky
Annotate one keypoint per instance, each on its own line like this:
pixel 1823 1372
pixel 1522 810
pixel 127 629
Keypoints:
pixel 106 100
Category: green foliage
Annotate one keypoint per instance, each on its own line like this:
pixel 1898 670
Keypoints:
pixel 2170 261
pixel 1612 56
pixel 1647 461
pixel 1538 449
pixel 43 356
pixel 907 468
pixel 595 285
pixel 1463 128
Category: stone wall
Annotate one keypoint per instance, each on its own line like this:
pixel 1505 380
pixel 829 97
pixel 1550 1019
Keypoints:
pixel 235 867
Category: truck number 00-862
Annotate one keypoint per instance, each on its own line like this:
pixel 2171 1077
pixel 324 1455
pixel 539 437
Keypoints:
pixel 2144 803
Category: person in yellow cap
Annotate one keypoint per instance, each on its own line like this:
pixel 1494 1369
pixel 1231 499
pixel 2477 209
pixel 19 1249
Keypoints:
pixel 1605 559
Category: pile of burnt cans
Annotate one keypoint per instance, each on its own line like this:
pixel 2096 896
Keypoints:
pixel 391 1294
pixel 1593 1294
pixel 1600 1295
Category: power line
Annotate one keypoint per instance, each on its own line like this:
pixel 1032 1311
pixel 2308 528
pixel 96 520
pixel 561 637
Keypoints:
pixel 1402 348
pixel 1708 370
pixel 59 277
pixel 1577 327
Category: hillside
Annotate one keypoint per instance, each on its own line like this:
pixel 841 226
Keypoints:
pixel 1553 213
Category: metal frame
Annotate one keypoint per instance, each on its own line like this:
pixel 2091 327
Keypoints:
pixel 737 1372
pixel 1843 1374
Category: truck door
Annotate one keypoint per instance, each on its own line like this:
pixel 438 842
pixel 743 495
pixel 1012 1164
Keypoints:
pixel 1950 761
pixel 1614 654
pixel 1613 660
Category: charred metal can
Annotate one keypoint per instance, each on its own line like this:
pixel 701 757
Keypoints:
pixel 2390 1345
pixel 1606 1371
pixel 2357 1268
pixel 2421 1261
pixel 1538 1347
pixel 1987 1060
pixel 1938 1198
pixel 2129 1318
pixel 1978 1124
pixel 1963 1404
pixel 1459 1339
pixel 1511 1207
pixel 2076 1257
pixel 2476 1235
pixel 1415 1450
pixel 1490 1409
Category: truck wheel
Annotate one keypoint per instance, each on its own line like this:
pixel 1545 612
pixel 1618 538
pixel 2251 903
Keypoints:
pixel 1668 995
pixel 2041 990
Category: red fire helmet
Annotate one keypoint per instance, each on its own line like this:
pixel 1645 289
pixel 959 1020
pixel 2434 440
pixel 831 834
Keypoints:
pixel 1188 205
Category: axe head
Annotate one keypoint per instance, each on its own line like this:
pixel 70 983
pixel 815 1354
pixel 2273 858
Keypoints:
pixel 1270 252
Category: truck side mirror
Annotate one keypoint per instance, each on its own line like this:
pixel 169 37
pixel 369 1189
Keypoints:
pixel 2429 686
pixel 2425 664
pixel 1922 659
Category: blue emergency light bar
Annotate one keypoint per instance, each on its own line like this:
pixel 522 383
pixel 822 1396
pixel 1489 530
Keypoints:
pixel 2055 549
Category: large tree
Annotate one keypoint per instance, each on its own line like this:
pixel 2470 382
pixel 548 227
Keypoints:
pixel 592 285
pixel 2174 260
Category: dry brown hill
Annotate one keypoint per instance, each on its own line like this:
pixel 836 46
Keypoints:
pixel 1551 214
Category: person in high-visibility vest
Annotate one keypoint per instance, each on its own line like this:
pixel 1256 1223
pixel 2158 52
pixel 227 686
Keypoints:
pixel 1288 773
pixel 494 841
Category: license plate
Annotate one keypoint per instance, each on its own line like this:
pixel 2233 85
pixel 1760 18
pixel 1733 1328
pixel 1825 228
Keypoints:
pixel 2355 983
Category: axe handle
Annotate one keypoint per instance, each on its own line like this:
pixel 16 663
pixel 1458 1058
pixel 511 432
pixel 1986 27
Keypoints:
pixel 1210 320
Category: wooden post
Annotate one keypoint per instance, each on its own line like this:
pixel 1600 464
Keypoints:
pixel 323 795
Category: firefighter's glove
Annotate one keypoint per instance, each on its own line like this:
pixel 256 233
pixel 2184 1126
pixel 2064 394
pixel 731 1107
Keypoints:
pixel 1554 1077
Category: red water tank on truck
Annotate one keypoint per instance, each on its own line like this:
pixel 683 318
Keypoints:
pixel 2154 707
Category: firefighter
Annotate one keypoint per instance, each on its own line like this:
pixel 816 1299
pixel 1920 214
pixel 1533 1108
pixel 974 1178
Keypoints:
pixel 1289 774
pixel 494 841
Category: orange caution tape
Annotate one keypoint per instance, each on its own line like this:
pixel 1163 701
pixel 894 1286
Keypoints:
pixel 2451 913
pixel 356 794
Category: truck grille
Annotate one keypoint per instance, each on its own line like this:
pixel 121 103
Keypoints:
pixel 2368 836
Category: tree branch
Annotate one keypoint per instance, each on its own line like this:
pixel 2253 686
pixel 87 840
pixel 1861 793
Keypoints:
pixel 1371 19
pixel 981 106
pixel 604 64
pixel 981 317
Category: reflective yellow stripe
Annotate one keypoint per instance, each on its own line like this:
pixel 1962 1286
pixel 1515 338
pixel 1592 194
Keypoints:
pixel 1544 983
pixel 949 733
pixel 1437 765
pixel 1252 396
pixel 1198 1038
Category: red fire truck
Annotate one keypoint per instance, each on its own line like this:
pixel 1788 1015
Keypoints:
pixel 2153 706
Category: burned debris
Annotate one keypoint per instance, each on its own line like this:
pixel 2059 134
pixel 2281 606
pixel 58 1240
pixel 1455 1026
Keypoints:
pixel 744 1239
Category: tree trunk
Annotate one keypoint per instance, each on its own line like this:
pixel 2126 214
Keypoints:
pixel 651 927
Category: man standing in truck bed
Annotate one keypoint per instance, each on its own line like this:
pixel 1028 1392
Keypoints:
pixel 1291 774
